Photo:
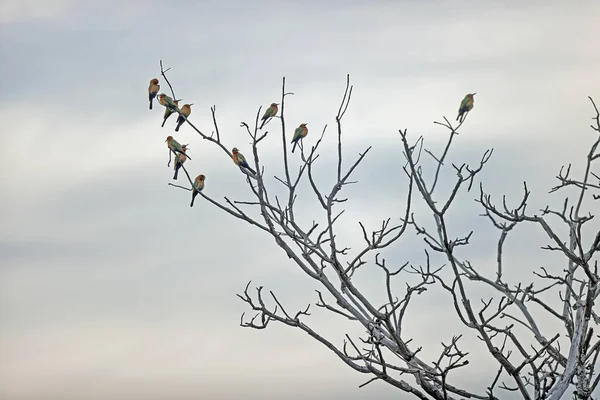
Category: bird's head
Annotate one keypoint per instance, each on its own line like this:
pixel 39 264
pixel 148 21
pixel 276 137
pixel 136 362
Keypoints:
pixel 162 96
pixel 169 138
pixel 303 125
pixel 201 178
pixel 235 150
pixel 274 104
pixel 185 147
pixel 154 81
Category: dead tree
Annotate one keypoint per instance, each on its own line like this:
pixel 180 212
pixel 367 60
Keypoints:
pixel 535 364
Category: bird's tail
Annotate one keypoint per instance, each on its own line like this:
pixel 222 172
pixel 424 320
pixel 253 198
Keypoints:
pixel 194 194
pixel 263 123
pixel 458 117
pixel 151 102
pixel 163 124
pixel 251 170
pixel 294 148
pixel 177 166
pixel 179 123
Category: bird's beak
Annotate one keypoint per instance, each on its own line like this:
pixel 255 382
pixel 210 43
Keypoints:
pixel 474 94
pixel 166 140
pixel 191 104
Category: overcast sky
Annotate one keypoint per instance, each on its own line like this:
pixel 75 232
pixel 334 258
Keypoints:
pixel 112 287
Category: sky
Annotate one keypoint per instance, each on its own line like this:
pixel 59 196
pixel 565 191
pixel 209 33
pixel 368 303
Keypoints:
pixel 112 287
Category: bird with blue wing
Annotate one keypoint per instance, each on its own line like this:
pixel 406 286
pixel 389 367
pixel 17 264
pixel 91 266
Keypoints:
pixel 299 133
pixel 240 160
pixel 270 113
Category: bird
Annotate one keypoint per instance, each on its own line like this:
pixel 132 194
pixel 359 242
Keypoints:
pixel 299 133
pixel 186 110
pixel 197 187
pixel 168 112
pixel 179 160
pixel 465 106
pixel 175 147
pixel 240 160
pixel 167 101
pixel 153 90
pixel 270 113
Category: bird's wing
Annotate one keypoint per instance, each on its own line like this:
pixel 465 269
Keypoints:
pixel 297 134
pixel 176 145
pixel 463 103
pixel 268 112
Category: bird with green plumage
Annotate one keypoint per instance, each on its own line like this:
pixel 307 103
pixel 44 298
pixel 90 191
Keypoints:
pixel 465 106
pixel 168 101
pixel 175 147
pixel 168 111
pixel 299 133
pixel 239 160
pixel 270 113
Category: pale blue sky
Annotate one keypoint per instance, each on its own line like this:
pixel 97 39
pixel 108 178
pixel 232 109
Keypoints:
pixel 112 287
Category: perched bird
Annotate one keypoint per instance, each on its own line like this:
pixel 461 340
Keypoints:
pixel 299 133
pixel 168 101
pixel 153 90
pixel 168 112
pixel 186 110
pixel 465 106
pixel 240 160
pixel 270 113
pixel 179 160
pixel 197 187
pixel 161 99
pixel 174 147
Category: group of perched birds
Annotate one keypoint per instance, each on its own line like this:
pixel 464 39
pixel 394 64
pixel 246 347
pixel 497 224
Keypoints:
pixel 172 106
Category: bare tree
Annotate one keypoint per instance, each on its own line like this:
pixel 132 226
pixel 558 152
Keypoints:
pixel 535 364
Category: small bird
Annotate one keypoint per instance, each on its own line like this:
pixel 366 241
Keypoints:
pixel 299 133
pixel 167 101
pixel 168 112
pixel 153 90
pixel 197 187
pixel 179 160
pixel 465 106
pixel 240 160
pixel 186 110
pixel 175 147
pixel 270 113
